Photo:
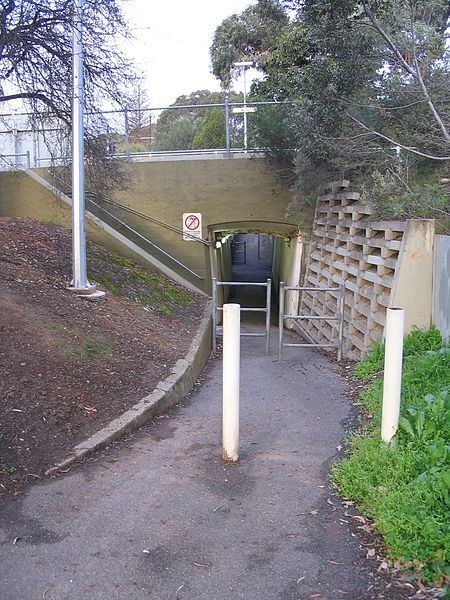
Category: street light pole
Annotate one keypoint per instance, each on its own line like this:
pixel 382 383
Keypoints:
pixel 244 65
pixel 80 282
pixel 245 110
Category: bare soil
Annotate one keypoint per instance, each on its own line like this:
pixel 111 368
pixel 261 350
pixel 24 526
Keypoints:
pixel 68 366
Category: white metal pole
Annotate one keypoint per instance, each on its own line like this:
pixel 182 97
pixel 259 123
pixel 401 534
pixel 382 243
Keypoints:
pixel 214 314
pixel 245 109
pixel 227 126
pixel 280 321
pixel 79 281
pixel 231 375
pixel 393 355
pixel 268 315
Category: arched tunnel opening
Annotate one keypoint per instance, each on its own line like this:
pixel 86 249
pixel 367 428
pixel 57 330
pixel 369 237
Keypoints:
pixel 252 254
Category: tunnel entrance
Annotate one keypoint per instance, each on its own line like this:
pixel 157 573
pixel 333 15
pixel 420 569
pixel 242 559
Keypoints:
pixel 251 256
pixel 251 253
pixel 251 260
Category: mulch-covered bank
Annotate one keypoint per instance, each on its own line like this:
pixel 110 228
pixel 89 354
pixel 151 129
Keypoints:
pixel 69 366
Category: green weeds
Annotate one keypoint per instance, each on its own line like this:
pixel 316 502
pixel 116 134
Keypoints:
pixel 406 489
pixel 77 343
pixel 123 278
pixel 416 342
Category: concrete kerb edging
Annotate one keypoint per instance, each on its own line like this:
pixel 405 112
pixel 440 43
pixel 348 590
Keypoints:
pixel 166 394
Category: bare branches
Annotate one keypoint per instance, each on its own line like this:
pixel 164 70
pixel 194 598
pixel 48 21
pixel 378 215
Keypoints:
pixel 395 142
pixel 35 51
pixel 415 71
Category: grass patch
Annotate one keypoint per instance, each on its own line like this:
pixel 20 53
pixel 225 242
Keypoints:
pixel 75 342
pixel 416 342
pixel 406 489
pixel 124 278
pixel 123 262
pixel 109 285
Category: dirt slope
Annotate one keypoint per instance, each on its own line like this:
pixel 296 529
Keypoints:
pixel 68 366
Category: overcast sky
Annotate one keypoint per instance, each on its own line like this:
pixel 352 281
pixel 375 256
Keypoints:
pixel 172 44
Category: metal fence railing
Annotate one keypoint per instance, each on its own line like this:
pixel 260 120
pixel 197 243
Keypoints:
pixel 217 329
pixel 134 134
pixel 338 317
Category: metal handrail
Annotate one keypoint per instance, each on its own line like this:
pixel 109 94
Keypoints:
pixel 339 317
pixel 176 261
pixel 217 330
pixel 25 154
pixel 128 155
pixel 153 220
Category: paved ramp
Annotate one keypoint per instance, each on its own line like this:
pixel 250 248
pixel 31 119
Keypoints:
pixel 160 517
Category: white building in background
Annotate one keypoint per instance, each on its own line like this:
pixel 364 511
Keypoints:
pixel 23 146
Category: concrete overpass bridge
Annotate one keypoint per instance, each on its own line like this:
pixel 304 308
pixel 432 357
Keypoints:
pixel 230 196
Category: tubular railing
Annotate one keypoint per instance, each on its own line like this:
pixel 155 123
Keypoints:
pixel 217 329
pixel 119 136
pixel 146 240
pixel 151 219
pixel 16 156
pixel 338 318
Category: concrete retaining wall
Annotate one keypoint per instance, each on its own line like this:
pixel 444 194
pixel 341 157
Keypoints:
pixel 223 191
pixel 167 393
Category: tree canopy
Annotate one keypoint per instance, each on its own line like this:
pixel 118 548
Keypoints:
pixel 193 127
pixel 248 36
pixel 368 82
pixel 36 67
pixel 138 105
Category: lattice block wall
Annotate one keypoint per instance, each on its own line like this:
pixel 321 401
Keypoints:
pixel 349 249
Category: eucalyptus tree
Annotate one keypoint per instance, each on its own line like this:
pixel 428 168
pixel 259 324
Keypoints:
pixel 369 82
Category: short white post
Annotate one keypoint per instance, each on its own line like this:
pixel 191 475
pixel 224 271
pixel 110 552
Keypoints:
pixel 392 383
pixel 231 369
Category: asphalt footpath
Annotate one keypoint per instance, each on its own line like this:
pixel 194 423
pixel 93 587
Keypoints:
pixel 160 516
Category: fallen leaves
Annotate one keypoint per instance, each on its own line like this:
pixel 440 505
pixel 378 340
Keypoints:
pixel 331 503
pixel 359 518
pixel 201 565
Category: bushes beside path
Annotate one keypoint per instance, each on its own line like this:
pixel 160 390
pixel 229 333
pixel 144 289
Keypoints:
pixel 405 489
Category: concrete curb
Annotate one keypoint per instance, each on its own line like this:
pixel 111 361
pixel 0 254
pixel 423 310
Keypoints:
pixel 166 394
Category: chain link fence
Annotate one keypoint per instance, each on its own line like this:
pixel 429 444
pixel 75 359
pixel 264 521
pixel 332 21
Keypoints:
pixel 28 140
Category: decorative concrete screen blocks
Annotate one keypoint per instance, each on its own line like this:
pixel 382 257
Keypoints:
pixel 381 263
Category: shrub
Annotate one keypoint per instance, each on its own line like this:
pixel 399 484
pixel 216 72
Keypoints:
pixel 405 488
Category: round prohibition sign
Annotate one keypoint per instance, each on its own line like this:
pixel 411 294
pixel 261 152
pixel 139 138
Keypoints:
pixel 192 222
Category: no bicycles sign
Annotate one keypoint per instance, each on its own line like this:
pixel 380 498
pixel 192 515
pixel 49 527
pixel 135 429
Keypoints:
pixel 192 226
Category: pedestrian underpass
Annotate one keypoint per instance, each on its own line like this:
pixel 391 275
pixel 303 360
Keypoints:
pixel 146 221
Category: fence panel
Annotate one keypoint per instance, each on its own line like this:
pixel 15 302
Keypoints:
pixel 338 318
pixel 217 329
pixel 441 285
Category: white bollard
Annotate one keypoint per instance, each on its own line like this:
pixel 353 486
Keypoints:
pixel 392 383
pixel 231 369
